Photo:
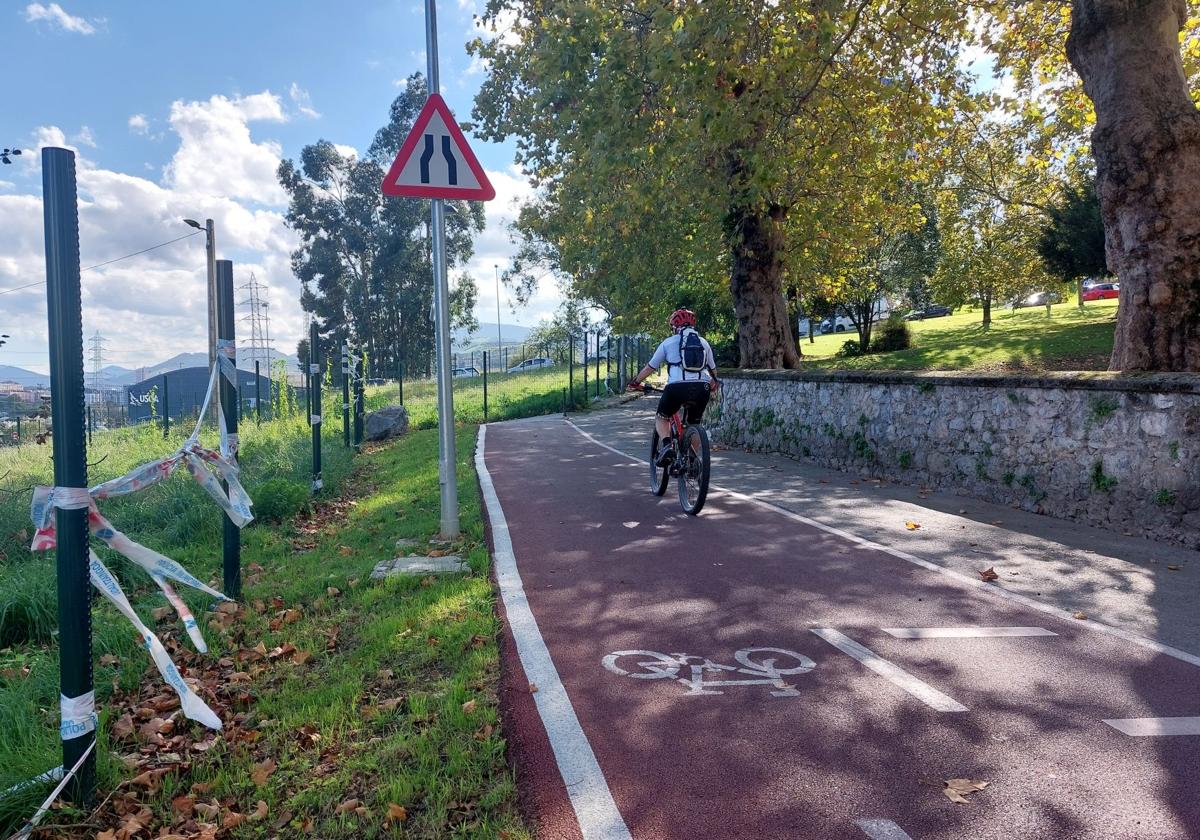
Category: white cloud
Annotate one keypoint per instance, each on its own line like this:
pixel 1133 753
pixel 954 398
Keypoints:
pixel 55 15
pixel 216 154
pixel 494 247
pixel 152 306
pixel 302 101
pixel 138 124
pixel 346 151
pixel 85 138
pixel 7 185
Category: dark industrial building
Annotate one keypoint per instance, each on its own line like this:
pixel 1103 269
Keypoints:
pixel 183 390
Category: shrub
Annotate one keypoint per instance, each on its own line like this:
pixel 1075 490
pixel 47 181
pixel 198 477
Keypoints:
pixel 849 349
pixel 279 499
pixel 894 335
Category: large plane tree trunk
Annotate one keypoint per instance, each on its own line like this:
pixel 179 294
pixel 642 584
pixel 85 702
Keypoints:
pixel 1147 148
pixel 756 281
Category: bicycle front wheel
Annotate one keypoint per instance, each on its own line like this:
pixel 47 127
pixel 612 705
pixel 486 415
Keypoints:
pixel 658 475
pixel 693 475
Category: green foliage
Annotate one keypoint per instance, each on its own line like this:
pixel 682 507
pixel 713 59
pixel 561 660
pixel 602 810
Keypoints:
pixel 905 459
pixel 1173 448
pixel 1101 408
pixel 926 388
pixel 1072 241
pixel 279 499
pixel 1165 498
pixel 850 349
pixel 1100 481
pixel 895 335
pixel 1009 478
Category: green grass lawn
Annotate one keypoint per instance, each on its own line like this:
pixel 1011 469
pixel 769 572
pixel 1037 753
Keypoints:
pixel 1018 340
pixel 510 395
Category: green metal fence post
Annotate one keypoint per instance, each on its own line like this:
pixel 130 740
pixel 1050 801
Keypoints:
pixel 314 373
pixel 61 219
pixel 485 374
pixel 166 421
pixel 359 368
pixel 346 395
pixel 257 395
pixel 232 534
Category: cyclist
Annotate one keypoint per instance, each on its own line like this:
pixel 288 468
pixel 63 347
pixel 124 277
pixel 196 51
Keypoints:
pixel 688 383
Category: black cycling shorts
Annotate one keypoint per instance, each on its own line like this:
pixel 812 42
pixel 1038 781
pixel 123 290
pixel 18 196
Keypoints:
pixel 693 394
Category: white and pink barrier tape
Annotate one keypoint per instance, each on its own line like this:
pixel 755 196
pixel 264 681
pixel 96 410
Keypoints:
pixel 208 468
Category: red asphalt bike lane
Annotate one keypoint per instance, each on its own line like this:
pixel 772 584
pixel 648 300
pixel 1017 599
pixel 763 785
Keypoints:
pixel 839 751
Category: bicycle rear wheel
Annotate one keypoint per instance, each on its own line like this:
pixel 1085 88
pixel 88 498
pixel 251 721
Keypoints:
pixel 693 476
pixel 658 475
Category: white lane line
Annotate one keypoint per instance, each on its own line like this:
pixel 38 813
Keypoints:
pixel 1156 726
pixel 891 672
pixel 989 589
pixel 599 818
pixel 878 829
pixel 964 632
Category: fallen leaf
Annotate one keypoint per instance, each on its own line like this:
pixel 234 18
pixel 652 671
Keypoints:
pixel 437 552
pixel 260 812
pixel 291 616
pixel 110 659
pixel 184 806
pixel 957 790
pixel 263 770
pixel 107 835
pixel 390 704
pixel 484 732
pixel 912 526
pixel 989 574
pixel 160 613
pixel 396 813
pixel 345 550
pixel 202 787
pixel 260 649
pixel 208 810
pixel 123 728
pixel 1082 616
pixel 226 607
pixel 533 688
pixel 232 819
pixel 348 805
pixel 386 673
pixel 469 706
pixel 301 656
pixel 333 591
pixel 1173 568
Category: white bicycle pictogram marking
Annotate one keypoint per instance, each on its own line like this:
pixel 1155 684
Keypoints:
pixel 755 662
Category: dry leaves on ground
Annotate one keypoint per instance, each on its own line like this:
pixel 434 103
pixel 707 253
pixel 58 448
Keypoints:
pixel 989 574
pixel 912 526
pixel 469 706
pixel 262 771
pixel 957 790
pixel 395 813
pixel 1081 615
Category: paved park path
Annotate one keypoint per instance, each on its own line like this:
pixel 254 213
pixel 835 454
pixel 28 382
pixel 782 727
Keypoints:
pixel 795 663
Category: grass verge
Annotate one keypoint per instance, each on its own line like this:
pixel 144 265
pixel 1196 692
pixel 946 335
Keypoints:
pixel 1018 340
pixel 353 708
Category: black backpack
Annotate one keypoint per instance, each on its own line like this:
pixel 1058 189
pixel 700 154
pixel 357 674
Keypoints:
pixel 691 352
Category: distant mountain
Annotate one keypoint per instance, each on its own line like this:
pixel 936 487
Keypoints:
pixel 116 376
pixel 8 373
pixel 485 336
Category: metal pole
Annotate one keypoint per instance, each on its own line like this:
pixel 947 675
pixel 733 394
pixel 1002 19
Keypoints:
pixel 585 366
pixel 314 370
pixel 228 396
pixel 597 363
pixel 89 425
pixel 441 298
pixel 401 381
pixel 358 402
pixel 499 340
pixel 166 410
pixel 346 395
pixel 571 366
pixel 257 395
pixel 61 219
pixel 308 390
pixel 485 405
pixel 608 361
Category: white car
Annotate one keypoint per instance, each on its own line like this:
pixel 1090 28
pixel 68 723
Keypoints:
pixel 532 364
pixel 466 372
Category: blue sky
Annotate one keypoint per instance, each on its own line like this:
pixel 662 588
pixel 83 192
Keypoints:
pixel 180 110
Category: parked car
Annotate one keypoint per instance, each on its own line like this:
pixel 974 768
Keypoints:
pixel 376 381
pixel 532 364
pixel 1102 291
pixel 841 323
pixel 934 311
pixel 1036 299
pixel 466 372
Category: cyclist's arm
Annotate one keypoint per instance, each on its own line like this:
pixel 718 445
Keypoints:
pixel 644 374
pixel 652 366
pixel 710 362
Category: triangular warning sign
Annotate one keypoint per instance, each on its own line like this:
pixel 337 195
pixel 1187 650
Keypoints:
pixel 435 160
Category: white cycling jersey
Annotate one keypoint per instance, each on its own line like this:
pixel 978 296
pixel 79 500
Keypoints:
pixel 668 354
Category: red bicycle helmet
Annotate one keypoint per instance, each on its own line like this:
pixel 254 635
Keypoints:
pixel 682 318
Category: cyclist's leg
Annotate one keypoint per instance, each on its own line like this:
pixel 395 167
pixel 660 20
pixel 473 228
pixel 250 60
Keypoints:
pixel 670 402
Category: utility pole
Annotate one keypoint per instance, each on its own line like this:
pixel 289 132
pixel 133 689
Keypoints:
pixel 441 304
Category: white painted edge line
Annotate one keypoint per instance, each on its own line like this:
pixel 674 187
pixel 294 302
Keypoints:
pixel 891 672
pixel 980 586
pixel 878 829
pixel 1156 726
pixel 964 632
pixel 595 809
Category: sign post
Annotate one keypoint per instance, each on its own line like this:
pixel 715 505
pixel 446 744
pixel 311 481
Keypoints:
pixel 436 162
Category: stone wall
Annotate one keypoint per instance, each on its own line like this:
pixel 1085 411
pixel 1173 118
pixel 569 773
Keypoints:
pixel 1120 451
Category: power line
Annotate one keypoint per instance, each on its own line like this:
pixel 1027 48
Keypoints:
pixel 110 262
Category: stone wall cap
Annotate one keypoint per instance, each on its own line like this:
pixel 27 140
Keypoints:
pixel 1091 380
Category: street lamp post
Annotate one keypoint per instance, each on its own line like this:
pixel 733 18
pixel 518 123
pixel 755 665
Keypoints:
pixel 499 340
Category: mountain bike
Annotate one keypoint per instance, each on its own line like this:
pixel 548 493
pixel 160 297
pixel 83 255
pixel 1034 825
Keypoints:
pixel 689 463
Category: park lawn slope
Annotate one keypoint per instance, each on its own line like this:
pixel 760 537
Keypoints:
pixel 1018 340
pixel 353 708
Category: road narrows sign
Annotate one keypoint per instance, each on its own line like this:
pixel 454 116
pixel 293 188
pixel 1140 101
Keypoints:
pixel 435 160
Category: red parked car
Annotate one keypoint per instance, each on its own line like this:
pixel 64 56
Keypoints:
pixel 1102 291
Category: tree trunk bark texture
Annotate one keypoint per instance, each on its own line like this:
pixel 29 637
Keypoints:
pixel 1147 148
pixel 756 281
pixel 986 300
